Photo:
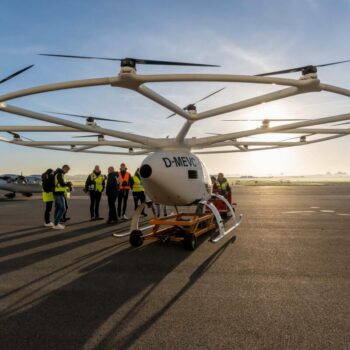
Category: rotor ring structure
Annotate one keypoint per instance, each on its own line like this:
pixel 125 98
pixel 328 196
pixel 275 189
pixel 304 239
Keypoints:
pixel 129 79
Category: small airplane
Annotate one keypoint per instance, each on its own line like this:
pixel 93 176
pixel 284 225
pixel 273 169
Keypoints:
pixel 25 185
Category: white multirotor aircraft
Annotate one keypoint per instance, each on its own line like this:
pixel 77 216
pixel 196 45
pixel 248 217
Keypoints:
pixel 172 173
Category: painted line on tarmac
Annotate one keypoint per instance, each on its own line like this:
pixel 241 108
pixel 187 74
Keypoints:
pixel 298 211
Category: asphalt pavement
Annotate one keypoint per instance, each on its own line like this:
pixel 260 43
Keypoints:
pixel 283 283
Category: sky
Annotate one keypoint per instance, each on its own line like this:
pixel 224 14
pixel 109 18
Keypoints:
pixel 244 37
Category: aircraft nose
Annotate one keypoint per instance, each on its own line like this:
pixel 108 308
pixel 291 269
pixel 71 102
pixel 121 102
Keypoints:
pixel 145 171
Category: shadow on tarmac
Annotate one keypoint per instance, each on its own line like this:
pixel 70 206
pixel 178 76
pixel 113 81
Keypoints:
pixel 68 316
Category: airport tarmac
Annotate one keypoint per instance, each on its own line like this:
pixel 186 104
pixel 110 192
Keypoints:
pixel 282 284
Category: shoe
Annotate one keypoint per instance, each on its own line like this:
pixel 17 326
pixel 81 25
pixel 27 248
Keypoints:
pixel 98 218
pixel 63 220
pixel 125 217
pixel 58 227
pixel 50 224
pixel 66 219
pixel 109 222
pixel 92 219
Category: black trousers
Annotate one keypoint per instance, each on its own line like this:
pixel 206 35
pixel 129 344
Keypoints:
pixel 48 209
pixel 95 198
pixel 112 214
pixel 139 197
pixel 123 196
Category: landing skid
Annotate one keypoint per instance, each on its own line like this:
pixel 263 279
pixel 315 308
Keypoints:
pixel 221 227
pixel 181 226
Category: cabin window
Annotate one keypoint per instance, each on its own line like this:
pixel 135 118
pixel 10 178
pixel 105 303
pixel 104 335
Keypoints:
pixel 192 174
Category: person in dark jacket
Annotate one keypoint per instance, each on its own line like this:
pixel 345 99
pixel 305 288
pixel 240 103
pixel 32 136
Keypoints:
pixel 48 184
pixel 60 189
pixel 112 189
pixel 95 185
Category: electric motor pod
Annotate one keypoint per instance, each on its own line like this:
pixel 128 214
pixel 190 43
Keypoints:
pixel 136 239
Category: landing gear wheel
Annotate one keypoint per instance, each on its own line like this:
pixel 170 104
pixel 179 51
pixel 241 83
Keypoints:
pixel 136 239
pixel 190 242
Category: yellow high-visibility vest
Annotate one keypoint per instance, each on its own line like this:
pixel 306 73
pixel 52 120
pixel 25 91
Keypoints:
pixel 48 197
pixel 223 185
pixel 98 181
pixel 58 187
pixel 137 185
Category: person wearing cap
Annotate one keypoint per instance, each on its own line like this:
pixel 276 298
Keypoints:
pixel 60 189
pixel 125 184
pixel 94 185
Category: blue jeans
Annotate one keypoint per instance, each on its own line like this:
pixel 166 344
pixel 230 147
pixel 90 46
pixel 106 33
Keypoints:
pixel 60 207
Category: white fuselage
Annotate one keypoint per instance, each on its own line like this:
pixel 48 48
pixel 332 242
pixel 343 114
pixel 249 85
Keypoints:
pixel 175 178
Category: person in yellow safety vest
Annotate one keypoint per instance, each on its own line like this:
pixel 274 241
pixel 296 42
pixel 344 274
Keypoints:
pixel 222 185
pixel 48 185
pixel 94 185
pixel 60 188
pixel 138 191
pixel 125 183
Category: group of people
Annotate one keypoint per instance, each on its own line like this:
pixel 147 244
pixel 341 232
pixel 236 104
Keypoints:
pixel 117 185
pixel 56 189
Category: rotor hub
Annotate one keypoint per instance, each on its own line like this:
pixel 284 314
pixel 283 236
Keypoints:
pixel 191 108
pixel 128 62
pixel 309 70
pixel 90 121
pixel 265 123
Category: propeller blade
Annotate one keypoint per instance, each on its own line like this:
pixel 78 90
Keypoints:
pixel 283 71
pixel 136 60
pixel 84 57
pixel 212 94
pixel 299 69
pixel 13 134
pixel 261 120
pixel 331 64
pixel 202 99
pixel 18 136
pixel 171 63
pixel 292 138
pixel 81 136
pixel 26 138
pixel 297 137
pixel 171 115
pixel 341 124
pixel 16 73
pixel 85 117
